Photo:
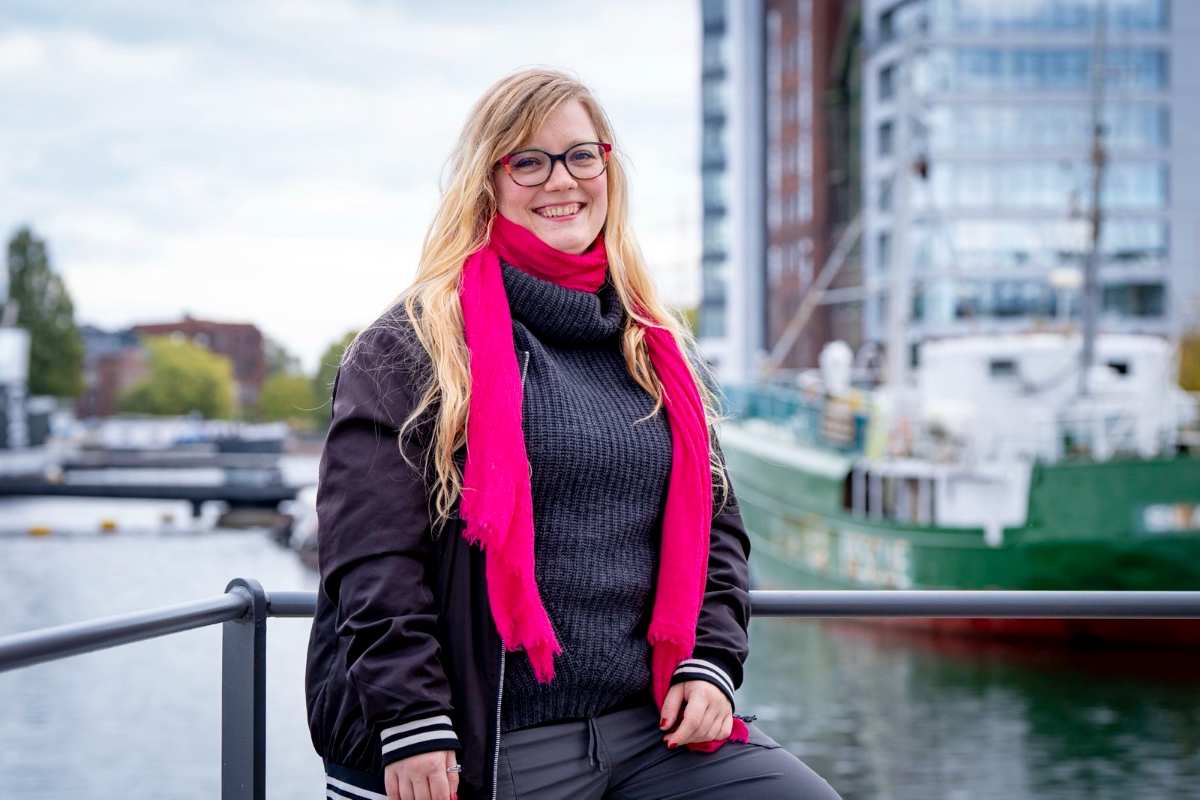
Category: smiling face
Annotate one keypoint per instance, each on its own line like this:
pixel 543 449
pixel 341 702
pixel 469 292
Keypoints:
pixel 564 212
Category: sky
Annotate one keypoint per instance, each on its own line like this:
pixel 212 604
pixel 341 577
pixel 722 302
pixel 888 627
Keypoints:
pixel 278 162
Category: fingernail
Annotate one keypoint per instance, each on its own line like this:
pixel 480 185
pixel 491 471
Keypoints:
pixel 672 746
pixel 662 723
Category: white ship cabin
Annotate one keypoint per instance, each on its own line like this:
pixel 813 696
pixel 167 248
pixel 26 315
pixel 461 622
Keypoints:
pixel 984 409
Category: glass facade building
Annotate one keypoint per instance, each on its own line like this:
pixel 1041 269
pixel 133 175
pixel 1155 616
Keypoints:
pixel 998 100
pixel 731 168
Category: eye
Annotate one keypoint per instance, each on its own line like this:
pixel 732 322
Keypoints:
pixel 527 162
pixel 582 155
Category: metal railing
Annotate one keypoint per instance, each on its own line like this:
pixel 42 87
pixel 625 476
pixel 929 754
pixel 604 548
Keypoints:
pixel 244 608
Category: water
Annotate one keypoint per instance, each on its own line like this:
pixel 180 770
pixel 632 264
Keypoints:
pixel 881 715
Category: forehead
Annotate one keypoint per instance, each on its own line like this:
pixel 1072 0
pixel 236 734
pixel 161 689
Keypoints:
pixel 568 125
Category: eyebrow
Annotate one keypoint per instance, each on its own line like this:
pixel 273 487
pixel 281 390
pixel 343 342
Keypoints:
pixel 568 147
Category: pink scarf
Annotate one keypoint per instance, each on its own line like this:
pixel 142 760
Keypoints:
pixel 497 501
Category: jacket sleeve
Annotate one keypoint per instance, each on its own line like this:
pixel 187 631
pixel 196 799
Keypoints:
pixel 374 549
pixel 722 641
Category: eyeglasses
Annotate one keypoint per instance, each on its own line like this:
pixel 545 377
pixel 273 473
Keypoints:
pixel 533 167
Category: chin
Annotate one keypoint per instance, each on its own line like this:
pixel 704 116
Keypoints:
pixel 567 241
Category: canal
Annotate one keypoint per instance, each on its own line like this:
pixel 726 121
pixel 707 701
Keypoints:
pixel 881 714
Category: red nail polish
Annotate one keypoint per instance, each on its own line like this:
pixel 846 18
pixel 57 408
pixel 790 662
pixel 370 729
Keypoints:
pixel 662 723
pixel 672 746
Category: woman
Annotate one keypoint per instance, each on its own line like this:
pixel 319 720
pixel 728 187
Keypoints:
pixel 530 379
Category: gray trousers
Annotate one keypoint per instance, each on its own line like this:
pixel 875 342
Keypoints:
pixel 621 756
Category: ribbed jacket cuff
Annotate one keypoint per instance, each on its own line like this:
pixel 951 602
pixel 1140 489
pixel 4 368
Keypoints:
pixel 697 669
pixel 418 736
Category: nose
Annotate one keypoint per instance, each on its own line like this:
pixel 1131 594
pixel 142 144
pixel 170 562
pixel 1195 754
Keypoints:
pixel 559 178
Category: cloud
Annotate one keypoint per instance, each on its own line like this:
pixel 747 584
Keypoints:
pixel 278 162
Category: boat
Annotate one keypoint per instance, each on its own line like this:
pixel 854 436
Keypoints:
pixel 989 472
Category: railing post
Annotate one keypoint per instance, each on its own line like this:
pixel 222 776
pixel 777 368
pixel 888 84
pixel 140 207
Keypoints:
pixel 243 697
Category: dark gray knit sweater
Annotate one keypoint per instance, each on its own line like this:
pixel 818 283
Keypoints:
pixel 599 480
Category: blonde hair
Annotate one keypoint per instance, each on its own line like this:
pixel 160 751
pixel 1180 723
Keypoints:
pixel 504 118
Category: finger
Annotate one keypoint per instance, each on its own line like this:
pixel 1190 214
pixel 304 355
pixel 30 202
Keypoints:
pixel 671 707
pixel 726 727
pixel 452 761
pixel 420 785
pixel 693 715
pixel 439 785
pixel 391 784
pixel 711 726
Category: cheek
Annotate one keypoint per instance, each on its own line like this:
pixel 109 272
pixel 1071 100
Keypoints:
pixel 600 203
pixel 511 199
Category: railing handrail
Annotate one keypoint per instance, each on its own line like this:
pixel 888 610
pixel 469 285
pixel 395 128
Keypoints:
pixel 244 608
pixel 48 644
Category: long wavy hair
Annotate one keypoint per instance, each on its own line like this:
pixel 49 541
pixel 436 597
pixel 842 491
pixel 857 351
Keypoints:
pixel 501 121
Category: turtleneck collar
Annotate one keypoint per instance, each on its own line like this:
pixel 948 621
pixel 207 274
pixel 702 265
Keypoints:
pixel 558 314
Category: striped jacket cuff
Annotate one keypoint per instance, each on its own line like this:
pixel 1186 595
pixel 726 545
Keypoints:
pixel 697 669
pixel 418 736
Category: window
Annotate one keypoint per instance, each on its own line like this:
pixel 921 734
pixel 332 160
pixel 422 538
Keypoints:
pixel 883 251
pixel 1002 368
pixel 885 194
pixel 887 82
pixel 886 138
pixel 1135 300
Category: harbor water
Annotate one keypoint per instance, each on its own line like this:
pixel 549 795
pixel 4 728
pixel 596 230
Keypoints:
pixel 880 714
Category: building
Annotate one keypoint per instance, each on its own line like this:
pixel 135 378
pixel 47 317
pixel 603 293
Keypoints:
pixel 241 343
pixel 110 367
pixel 990 107
pixel 773 178
pixel 810 110
pixel 731 168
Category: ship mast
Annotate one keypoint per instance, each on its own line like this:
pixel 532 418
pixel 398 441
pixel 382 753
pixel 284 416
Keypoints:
pixel 899 263
pixel 1098 158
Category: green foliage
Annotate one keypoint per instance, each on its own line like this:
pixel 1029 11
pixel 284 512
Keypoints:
pixel 280 360
pixel 184 377
pixel 1189 362
pixel 287 398
pixel 44 308
pixel 322 385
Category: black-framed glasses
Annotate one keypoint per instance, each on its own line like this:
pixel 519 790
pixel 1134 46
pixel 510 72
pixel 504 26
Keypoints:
pixel 533 167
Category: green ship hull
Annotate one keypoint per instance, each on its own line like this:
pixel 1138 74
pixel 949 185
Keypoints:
pixel 1116 525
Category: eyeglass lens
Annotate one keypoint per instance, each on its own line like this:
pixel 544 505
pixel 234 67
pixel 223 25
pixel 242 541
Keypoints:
pixel 532 167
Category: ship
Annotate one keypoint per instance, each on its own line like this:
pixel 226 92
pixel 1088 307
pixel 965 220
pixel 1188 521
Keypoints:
pixel 988 471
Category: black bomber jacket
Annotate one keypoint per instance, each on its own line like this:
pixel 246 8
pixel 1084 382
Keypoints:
pixel 403 656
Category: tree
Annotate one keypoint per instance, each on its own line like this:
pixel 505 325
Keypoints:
pixel 280 360
pixel 1189 362
pixel 322 386
pixel 288 398
pixel 44 308
pixel 184 377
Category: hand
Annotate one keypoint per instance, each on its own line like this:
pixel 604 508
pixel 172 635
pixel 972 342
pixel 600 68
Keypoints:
pixel 707 714
pixel 422 777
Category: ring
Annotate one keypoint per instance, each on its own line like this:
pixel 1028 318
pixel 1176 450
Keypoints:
pixel 455 768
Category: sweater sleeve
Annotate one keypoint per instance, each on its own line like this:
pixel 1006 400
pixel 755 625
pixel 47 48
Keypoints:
pixel 373 551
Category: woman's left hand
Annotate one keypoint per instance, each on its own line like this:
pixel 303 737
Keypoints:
pixel 707 714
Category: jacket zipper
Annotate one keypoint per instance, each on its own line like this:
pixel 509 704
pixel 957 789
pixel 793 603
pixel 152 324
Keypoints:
pixel 500 688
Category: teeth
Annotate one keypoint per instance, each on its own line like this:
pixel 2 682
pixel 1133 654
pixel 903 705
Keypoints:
pixel 559 211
